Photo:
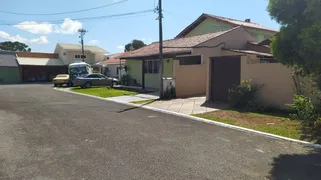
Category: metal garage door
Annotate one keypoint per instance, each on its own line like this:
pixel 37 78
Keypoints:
pixel 225 71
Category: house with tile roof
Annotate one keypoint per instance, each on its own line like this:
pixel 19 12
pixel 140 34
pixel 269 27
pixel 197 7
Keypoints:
pixel 207 23
pixel 112 66
pixel 71 53
pixel 185 60
pixel 188 54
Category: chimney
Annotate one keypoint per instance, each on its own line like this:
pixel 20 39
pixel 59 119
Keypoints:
pixel 247 20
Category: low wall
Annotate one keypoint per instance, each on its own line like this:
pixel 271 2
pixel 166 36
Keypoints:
pixel 278 85
pixel 190 79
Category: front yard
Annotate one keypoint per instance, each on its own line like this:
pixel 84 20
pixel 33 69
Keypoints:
pixel 276 123
pixel 104 92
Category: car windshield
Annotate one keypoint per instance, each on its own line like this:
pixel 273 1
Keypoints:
pixel 62 76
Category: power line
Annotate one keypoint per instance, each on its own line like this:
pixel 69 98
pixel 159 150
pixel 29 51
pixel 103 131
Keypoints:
pixel 90 18
pixel 68 12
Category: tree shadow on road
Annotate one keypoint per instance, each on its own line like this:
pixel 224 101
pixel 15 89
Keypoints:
pixel 133 108
pixel 297 166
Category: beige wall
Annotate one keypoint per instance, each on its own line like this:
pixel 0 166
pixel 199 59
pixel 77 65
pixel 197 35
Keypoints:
pixel 278 86
pixel 237 38
pixel 70 56
pixel 189 79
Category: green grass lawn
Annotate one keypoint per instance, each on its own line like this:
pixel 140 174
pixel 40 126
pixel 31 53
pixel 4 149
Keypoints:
pixel 144 101
pixel 104 92
pixel 272 123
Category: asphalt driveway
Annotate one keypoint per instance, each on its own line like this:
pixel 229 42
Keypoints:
pixel 47 134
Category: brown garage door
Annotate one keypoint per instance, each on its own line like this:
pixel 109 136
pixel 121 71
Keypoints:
pixel 226 71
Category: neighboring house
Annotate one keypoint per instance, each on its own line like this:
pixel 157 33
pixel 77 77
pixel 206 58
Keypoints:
pixel 70 53
pixel 9 68
pixel 112 67
pixel 207 23
pixel 39 66
pixel 185 59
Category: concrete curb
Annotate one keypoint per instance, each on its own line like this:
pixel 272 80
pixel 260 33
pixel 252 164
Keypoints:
pixel 202 120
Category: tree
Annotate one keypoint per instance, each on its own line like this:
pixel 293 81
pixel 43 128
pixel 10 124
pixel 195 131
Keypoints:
pixel 14 46
pixel 135 44
pixel 298 44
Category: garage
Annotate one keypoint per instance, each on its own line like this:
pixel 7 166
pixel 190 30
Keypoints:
pixel 225 72
pixel 34 69
pixel 9 69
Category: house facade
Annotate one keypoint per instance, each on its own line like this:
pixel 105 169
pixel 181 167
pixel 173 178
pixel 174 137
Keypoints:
pixel 187 57
pixel 112 67
pixel 71 53
pixel 208 23
pixel 185 60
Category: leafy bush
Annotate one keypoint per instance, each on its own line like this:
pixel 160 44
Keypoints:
pixel 124 80
pixel 243 97
pixel 170 93
pixel 96 71
pixel 304 109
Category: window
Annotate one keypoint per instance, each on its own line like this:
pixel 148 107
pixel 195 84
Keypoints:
pixel 151 66
pixel 102 76
pixel 117 70
pixel 190 60
pixel 80 56
pixel 93 76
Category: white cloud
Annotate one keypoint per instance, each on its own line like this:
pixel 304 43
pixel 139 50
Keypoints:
pixel 69 26
pixel 93 42
pixel 40 40
pixel 35 28
pixel 120 47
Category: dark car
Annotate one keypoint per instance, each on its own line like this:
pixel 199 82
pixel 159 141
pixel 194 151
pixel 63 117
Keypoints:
pixel 94 80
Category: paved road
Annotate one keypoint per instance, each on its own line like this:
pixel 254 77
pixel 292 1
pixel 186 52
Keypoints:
pixel 47 135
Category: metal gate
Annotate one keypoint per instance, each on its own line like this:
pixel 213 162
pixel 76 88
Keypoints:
pixel 225 72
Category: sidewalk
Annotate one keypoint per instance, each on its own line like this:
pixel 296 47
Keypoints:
pixel 192 105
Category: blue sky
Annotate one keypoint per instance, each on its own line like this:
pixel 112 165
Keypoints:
pixel 112 33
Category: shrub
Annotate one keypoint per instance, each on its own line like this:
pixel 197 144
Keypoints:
pixel 243 97
pixel 170 93
pixel 303 109
pixel 124 80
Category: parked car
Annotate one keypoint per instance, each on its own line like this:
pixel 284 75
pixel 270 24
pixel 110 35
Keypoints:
pixel 94 80
pixel 62 79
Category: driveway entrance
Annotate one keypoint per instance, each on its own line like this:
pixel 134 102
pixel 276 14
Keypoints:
pixel 225 72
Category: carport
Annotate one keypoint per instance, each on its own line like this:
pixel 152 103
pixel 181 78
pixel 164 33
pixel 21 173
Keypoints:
pixel 40 69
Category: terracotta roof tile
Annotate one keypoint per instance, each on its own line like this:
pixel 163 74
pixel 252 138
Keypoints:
pixel 173 45
pixel 111 61
pixel 233 22
pixel 242 23
pixel 250 52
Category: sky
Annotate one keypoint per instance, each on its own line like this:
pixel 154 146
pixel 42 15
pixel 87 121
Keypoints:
pixel 42 32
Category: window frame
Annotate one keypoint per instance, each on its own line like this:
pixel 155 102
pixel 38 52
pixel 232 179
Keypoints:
pixel 151 66
pixel 180 60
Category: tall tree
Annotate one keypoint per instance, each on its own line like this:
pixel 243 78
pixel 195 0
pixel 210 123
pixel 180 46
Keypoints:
pixel 14 46
pixel 135 44
pixel 298 44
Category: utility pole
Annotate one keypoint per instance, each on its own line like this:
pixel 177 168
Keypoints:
pixel 160 19
pixel 82 34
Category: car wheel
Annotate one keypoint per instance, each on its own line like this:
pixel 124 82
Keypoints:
pixel 55 85
pixel 87 85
